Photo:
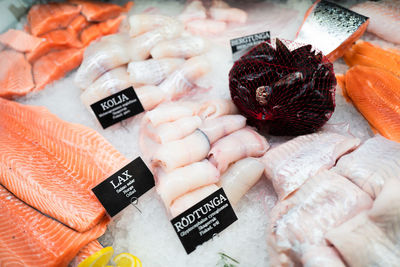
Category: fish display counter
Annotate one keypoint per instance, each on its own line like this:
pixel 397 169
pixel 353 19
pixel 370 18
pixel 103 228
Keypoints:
pixel 200 133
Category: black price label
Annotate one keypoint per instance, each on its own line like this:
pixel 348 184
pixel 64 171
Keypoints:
pixel 243 44
pixel 123 187
pixel 203 220
pixel 117 107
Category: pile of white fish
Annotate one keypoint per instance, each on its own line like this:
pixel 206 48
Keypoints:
pixel 194 148
pixel 157 57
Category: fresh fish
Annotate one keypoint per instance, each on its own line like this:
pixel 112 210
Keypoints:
pixel 77 25
pixel 194 10
pixel 331 28
pixel 52 165
pixel 97 30
pixel 206 26
pixel 172 111
pixel 372 164
pixel 29 238
pixel 384 18
pixel 150 96
pixel 235 146
pixel 240 177
pixel 191 198
pixel 185 179
pixel 221 11
pixel 43 18
pixel 367 54
pixel 217 107
pixel 175 130
pixel 176 154
pixel 222 126
pixel 20 40
pixel 183 47
pixel 299 223
pixel 55 65
pixel 376 94
pixel 16 74
pixel 372 238
pixel 85 252
pixel 57 39
pixel 289 165
pixel 152 71
pixel 98 11
pixel 142 23
pixel 182 81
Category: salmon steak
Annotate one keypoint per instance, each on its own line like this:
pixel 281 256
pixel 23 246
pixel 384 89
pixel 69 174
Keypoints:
pixel 20 40
pixel 29 238
pixel 52 165
pixel 376 94
pixel 16 74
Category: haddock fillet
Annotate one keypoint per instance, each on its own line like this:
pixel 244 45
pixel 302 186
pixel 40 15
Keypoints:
pixel 28 238
pixel 52 165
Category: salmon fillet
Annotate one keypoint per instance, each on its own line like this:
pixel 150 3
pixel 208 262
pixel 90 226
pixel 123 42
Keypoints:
pixel 98 11
pixel 43 18
pixel 29 238
pixel 86 251
pixel 55 65
pixel 57 39
pixel 20 40
pixel 97 30
pixel 16 74
pixel 77 25
pixel 52 165
pixel 376 94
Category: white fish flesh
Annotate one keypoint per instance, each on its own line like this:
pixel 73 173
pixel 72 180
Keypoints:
pixel 182 81
pixel 240 177
pixel 221 11
pixel 374 162
pixel 183 180
pixel 149 96
pixel 372 238
pixel 183 47
pixel 217 107
pixel 175 154
pixel 191 198
pixel 299 223
pixel 152 71
pixel 168 112
pixel 289 165
pixel 238 145
pixel 194 10
pixel 222 126
pixel 142 23
pixel 206 26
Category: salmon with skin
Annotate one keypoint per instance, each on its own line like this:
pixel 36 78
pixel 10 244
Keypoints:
pixel 29 238
pixel 58 39
pixel 52 165
pixel 16 74
pixel 376 94
pixel 55 65
pixel 20 40
pixel 43 18
pixel 99 11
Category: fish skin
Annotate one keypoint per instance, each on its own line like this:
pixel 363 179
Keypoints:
pixel 55 65
pixel 29 238
pixel 52 165
pixel 384 18
pixel 43 18
pixel 20 40
pixel 376 94
pixel 331 28
pixel 16 74
pixel 371 165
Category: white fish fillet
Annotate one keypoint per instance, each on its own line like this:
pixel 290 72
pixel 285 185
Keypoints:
pixel 183 47
pixel 374 162
pixel 142 23
pixel 194 10
pixel 168 112
pixel 289 165
pixel 206 26
pixel 221 11
pixel 217 107
pixel 299 223
pixel 222 126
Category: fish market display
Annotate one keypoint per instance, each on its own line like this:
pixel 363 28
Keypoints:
pixel 372 237
pixel 289 91
pixel 384 18
pixel 372 164
pixel 56 37
pixel 375 93
pixel 331 28
pixel 289 165
pixel 300 222
pixel 86 251
pixel 52 165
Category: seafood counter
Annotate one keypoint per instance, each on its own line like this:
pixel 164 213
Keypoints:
pixel 201 133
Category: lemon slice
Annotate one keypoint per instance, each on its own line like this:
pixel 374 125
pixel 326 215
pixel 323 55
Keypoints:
pixel 127 260
pixel 98 259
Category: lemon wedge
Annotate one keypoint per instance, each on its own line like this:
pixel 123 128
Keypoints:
pixel 98 259
pixel 127 260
